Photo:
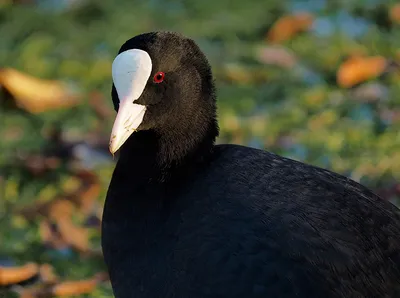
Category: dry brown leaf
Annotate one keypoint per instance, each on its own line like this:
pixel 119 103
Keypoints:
pixel 81 199
pixel 78 287
pixel 358 69
pixel 36 95
pixel 76 237
pixel 88 191
pixel 60 209
pixel 82 196
pixel 59 231
pixel 88 197
pixel 55 288
pixel 288 26
pixel 32 211
pixel 64 233
pixel 69 288
pixel 14 275
pixel 53 208
pixel 394 13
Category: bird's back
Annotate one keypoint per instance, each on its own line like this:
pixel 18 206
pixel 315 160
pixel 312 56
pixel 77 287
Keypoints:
pixel 322 226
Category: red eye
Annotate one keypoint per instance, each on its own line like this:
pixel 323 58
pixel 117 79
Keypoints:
pixel 159 77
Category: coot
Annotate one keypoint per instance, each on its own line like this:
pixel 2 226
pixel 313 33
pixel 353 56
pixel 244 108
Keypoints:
pixel 187 218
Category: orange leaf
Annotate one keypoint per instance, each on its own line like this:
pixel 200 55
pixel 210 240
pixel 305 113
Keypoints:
pixel 74 287
pixel 358 69
pixel 35 95
pixel 13 275
pixel 75 236
pixel 288 26
pixel 394 13
pixel 64 233
pixel 60 209
pixel 78 287
pixel 57 207
pixel 88 191
pixel 88 197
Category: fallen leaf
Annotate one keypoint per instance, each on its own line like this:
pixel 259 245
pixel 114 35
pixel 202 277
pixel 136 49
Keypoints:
pixel 36 95
pixel 15 275
pixel 89 191
pixel 53 209
pixel 76 237
pixel 60 209
pixel 288 26
pixel 63 233
pixel 358 69
pixel 394 13
pixel 64 288
pixel 68 288
pixel 82 196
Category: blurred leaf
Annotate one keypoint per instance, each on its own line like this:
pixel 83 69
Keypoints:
pixel 358 69
pixel 15 275
pixel 68 288
pixel 288 26
pixel 395 13
pixel 35 95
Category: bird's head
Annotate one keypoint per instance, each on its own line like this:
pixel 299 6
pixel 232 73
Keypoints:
pixel 162 82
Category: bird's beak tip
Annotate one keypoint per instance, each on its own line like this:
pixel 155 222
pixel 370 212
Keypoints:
pixel 112 148
pixel 111 151
pixel 111 145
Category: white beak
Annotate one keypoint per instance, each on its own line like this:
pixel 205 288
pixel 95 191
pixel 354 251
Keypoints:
pixel 130 71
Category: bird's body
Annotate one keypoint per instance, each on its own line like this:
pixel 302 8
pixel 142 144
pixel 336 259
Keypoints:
pixel 186 218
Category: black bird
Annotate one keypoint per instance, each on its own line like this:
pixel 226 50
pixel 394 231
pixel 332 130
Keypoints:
pixel 187 218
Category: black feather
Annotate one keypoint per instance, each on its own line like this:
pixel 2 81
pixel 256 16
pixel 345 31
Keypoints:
pixel 186 218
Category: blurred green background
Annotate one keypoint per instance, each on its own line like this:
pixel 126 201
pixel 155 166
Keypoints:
pixel 316 81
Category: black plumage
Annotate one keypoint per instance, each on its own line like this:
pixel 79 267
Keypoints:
pixel 186 218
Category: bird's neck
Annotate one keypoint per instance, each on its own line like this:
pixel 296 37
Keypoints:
pixel 158 156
